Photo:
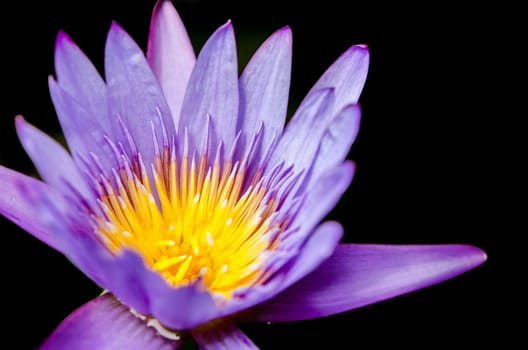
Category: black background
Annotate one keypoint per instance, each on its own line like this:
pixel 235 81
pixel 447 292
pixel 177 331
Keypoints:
pixel 435 155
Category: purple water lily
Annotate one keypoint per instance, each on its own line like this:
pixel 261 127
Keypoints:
pixel 184 195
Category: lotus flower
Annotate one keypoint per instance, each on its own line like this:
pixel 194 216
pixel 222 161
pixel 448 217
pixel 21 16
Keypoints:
pixel 186 198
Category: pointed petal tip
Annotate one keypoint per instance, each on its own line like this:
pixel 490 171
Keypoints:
pixel 286 30
pixel 163 4
pixel 478 255
pixel 225 30
pixel 20 123
pixel 483 255
pixel 362 49
pixel 19 118
pixel 463 257
pixel 62 37
pixel 63 42
pixel 463 249
pixel 351 165
pixel 284 33
pixel 164 8
pixel 115 28
pixel 52 82
pixel 227 26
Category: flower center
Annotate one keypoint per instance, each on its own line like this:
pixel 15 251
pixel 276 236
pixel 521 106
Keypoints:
pixel 191 221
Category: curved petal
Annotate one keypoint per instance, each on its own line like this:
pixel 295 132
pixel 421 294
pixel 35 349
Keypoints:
pixel 170 54
pixel 79 78
pixel 300 141
pixel 312 244
pixel 125 274
pixel 222 335
pixel 213 91
pixel 83 134
pixel 131 280
pixel 317 248
pixel 151 295
pixel 134 94
pixel 105 324
pixel 147 292
pixel 18 203
pixel 347 75
pixel 336 141
pixel 360 274
pixel 52 161
pixel 264 87
pixel 322 197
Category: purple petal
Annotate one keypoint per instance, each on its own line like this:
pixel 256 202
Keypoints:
pixel 83 133
pixel 134 93
pixel 147 292
pixel 105 324
pixel 317 248
pixel 336 141
pixel 125 275
pixel 79 78
pixel 170 54
pixel 130 279
pixel 264 87
pixel 347 75
pixel 357 275
pixel 52 161
pixel 322 197
pixel 213 91
pixel 319 201
pixel 298 145
pixel 222 335
pixel 18 203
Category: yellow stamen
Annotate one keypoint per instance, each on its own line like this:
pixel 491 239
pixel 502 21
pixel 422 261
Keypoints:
pixel 191 221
